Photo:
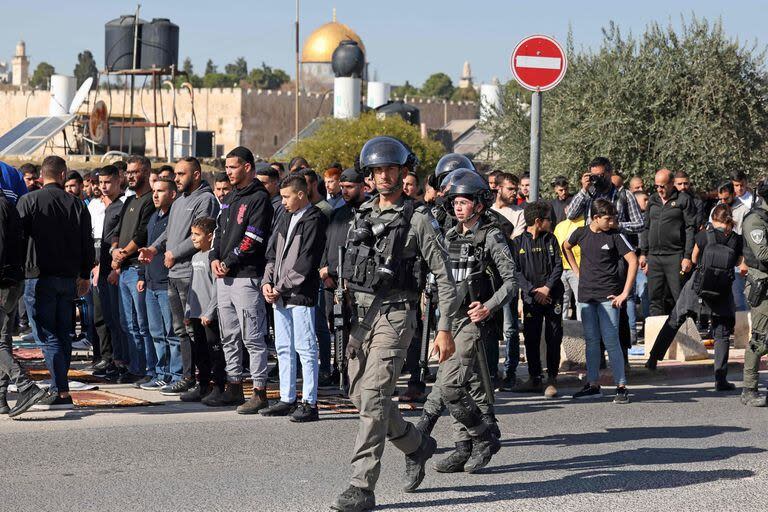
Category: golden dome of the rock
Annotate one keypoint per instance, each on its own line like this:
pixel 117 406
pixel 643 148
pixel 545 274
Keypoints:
pixel 321 43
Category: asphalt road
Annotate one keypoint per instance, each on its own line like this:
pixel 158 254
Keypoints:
pixel 678 447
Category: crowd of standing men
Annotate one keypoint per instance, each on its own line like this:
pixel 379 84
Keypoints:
pixel 185 288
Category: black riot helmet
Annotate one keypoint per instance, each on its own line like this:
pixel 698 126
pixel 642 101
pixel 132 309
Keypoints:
pixel 447 164
pixel 467 182
pixel 762 189
pixel 383 151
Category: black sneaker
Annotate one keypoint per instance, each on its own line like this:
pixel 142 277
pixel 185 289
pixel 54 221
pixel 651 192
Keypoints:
pixel 100 365
pixel 622 396
pixel 53 402
pixel 588 391
pixel 415 462
pixel 27 399
pixel 128 378
pixel 176 388
pixel 325 381
pixel 354 499
pixel 305 412
pixel 279 409
pixel 144 380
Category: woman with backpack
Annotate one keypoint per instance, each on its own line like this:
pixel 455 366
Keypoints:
pixel 717 250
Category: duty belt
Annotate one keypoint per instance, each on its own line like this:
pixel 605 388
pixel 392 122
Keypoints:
pixel 385 308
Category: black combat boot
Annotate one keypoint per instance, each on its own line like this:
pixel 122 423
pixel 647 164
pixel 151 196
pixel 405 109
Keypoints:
pixel 195 393
pixel 415 462
pixel 4 409
pixel 257 402
pixel 490 420
pixel 454 462
pixel 427 422
pixel 354 499
pixel 484 447
pixel 752 398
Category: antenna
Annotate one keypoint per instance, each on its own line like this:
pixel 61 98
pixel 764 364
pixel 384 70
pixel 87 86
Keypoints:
pixel 81 95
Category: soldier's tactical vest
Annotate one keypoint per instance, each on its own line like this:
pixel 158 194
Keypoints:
pixel 474 277
pixel 377 263
pixel 749 257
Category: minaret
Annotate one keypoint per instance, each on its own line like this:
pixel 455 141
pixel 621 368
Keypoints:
pixel 466 76
pixel 20 65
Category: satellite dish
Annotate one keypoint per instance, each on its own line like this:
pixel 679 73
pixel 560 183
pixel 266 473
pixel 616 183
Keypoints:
pixel 81 95
pixel 98 124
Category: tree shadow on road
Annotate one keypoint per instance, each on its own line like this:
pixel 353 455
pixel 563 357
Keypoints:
pixel 615 435
pixel 602 481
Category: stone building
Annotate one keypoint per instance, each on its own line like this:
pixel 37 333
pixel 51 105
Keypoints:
pixel 20 66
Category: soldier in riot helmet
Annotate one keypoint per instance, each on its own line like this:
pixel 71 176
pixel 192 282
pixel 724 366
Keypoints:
pixel 447 164
pixel 392 244
pixel 755 232
pixel 479 256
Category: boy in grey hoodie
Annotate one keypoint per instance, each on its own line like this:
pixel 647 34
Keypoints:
pixel 195 200
pixel 201 316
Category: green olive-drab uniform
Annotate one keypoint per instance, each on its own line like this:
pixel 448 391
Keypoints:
pixel 755 231
pixel 374 370
pixel 458 385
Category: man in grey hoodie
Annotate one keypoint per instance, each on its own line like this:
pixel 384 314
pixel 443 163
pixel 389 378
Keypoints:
pixel 195 200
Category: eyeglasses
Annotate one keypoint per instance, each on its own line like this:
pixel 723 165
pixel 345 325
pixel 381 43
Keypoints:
pixel 659 186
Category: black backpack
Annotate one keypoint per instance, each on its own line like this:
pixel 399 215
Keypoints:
pixel 715 273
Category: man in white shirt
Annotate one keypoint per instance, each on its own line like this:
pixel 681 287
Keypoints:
pixel 506 193
pixel 740 182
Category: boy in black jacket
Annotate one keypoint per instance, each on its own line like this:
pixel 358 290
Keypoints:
pixel 237 261
pixel 291 280
pixel 539 266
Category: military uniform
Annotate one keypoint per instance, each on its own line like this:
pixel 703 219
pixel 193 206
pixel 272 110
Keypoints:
pixel 478 257
pixel 374 370
pixel 755 231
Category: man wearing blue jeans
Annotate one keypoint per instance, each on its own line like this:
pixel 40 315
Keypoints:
pixel 131 234
pixel 602 291
pixel 291 281
pixel 153 279
pixel 51 220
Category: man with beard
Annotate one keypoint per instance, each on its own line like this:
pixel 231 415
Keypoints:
pixel 352 191
pixel 195 200
pixel 387 302
pixel 131 234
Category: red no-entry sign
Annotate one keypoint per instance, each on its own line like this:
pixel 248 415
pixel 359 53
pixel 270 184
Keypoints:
pixel 539 63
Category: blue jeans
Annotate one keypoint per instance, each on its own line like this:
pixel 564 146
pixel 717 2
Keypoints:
pixel 29 304
pixel 110 310
pixel 641 292
pixel 166 343
pixel 53 314
pixel 133 317
pixel 601 320
pixel 511 337
pixel 295 334
pixel 738 291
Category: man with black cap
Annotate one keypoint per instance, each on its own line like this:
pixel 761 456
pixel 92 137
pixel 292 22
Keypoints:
pixel 238 258
pixel 352 186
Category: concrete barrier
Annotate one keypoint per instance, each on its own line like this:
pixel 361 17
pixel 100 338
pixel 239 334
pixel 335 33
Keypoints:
pixel 687 345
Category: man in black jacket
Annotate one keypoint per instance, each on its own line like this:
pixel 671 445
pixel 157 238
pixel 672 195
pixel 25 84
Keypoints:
pixel 58 227
pixel 237 261
pixel 290 283
pixel 666 243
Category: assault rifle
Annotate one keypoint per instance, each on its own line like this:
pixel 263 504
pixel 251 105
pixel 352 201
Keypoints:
pixel 429 291
pixel 340 323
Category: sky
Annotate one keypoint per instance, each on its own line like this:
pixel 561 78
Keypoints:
pixel 405 39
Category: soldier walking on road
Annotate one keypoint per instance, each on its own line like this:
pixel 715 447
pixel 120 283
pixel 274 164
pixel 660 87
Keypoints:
pixel 392 242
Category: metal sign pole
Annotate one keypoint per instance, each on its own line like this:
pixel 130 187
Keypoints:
pixel 535 145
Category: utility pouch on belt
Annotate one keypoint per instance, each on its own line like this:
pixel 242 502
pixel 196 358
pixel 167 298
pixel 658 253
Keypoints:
pixel 757 290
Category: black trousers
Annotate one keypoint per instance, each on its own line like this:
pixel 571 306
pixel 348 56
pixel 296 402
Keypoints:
pixel 102 346
pixel 177 299
pixel 722 328
pixel 207 352
pixel 664 282
pixel 551 317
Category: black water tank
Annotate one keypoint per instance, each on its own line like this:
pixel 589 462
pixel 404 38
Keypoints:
pixel 118 43
pixel 348 60
pixel 409 113
pixel 160 44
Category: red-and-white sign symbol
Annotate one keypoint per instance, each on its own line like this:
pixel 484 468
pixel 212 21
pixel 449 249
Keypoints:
pixel 539 63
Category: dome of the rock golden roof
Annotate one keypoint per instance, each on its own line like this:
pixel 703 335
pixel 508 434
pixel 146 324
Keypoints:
pixel 321 43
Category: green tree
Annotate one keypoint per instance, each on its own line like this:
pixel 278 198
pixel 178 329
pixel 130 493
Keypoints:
pixel 404 90
pixel 220 80
pixel 340 140
pixel 468 94
pixel 210 68
pixel 187 67
pixel 690 99
pixel 190 77
pixel 267 78
pixel 239 68
pixel 438 85
pixel 41 78
pixel 85 67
